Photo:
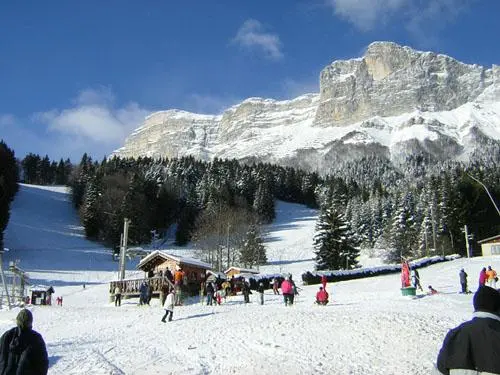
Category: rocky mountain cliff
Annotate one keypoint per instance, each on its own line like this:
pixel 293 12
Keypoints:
pixel 391 102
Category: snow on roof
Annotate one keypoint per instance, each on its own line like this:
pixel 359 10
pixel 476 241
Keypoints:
pixel 241 270
pixel 179 259
pixel 39 288
pixel 489 239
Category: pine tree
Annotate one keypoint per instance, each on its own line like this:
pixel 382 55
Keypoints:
pixel 402 232
pixel 9 176
pixel 89 210
pixel 336 247
pixel 253 251
pixel 263 203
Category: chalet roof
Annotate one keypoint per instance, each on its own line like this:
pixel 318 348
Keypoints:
pixel 497 237
pixel 160 256
pixel 39 288
pixel 241 270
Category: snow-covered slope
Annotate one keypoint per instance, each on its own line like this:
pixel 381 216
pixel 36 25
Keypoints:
pixel 369 328
pixel 391 102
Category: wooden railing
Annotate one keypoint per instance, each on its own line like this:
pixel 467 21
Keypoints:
pixel 131 287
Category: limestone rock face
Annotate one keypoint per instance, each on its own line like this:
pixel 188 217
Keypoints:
pixel 390 102
pixel 171 134
pixel 391 80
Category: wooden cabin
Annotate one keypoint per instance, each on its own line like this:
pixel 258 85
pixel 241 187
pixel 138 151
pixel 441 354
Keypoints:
pixel 41 295
pixel 155 266
pixel 159 261
pixel 490 246
pixel 235 271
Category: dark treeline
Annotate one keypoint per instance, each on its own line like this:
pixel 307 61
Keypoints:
pixel 9 175
pixel 413 209
pixel 43 171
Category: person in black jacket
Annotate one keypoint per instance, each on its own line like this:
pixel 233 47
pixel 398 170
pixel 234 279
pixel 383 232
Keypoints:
pixel 22 350
pixel 474 345
pixel 260 289
pixel 463 280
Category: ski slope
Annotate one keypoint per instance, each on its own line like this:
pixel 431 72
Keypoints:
pixel 369 328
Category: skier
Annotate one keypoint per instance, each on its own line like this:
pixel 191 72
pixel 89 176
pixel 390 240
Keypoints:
pixel 482 277
pixel 472 347
pixel 322 296
pixel 463 280
pixel 169 307
pixel 260 289
pixel 287 291
pixel 246 291
pixel 149 293
pixel 118 295
pixel 143 291
pixel 226 286
pixel 276 285
pixel 23 350
pixel 210 294
pixel 492 277
pixel 416 280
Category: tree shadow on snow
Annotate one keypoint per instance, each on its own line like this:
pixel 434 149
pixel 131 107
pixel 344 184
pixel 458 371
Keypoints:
pixel 57 283
pixel 53 359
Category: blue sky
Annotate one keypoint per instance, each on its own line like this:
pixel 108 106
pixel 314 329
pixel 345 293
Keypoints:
pixel 79 76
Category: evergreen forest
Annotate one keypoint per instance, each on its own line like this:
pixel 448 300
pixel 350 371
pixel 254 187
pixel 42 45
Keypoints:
pixel 410 209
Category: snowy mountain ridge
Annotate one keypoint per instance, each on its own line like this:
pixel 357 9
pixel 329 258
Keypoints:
pixel 391 102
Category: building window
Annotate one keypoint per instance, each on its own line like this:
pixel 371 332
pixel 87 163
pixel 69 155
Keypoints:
pixel 495 249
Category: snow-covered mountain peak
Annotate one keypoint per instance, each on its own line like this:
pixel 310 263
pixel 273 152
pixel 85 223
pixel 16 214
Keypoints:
pixel 392 101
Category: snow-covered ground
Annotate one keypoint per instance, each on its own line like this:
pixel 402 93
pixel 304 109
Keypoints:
pixel 368 329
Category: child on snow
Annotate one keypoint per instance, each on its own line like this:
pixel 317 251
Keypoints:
pixel 169 307
pixel 322 296
pixel 432 290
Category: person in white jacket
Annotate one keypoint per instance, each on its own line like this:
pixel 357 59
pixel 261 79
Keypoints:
pixel 169 306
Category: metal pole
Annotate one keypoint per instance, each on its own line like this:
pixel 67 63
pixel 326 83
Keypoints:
pixel 434 231
pixel 126 223
pixel 487 191
pixel 467 241
pixel 227 244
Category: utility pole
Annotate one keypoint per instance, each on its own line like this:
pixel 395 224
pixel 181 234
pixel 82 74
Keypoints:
pixel 227 244
pixel 434 231
pixel 467 241
pixel 426 243
pixel 123 249
pixel 3 276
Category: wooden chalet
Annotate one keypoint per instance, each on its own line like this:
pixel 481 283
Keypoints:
pixel 235 271
pixel 159 261
pixel 490 246
pixel 155 266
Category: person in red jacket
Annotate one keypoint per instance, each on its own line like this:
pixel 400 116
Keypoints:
pixel 287 291
pixel 322 296
pixel 323 281
pixel 482 277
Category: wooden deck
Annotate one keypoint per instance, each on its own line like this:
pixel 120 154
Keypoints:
pixel 130 287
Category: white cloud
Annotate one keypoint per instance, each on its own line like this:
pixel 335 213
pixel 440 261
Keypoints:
pixel 7 119
pixel 365 14
pixel 94 117
pixel 417 16
pixel 251 35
